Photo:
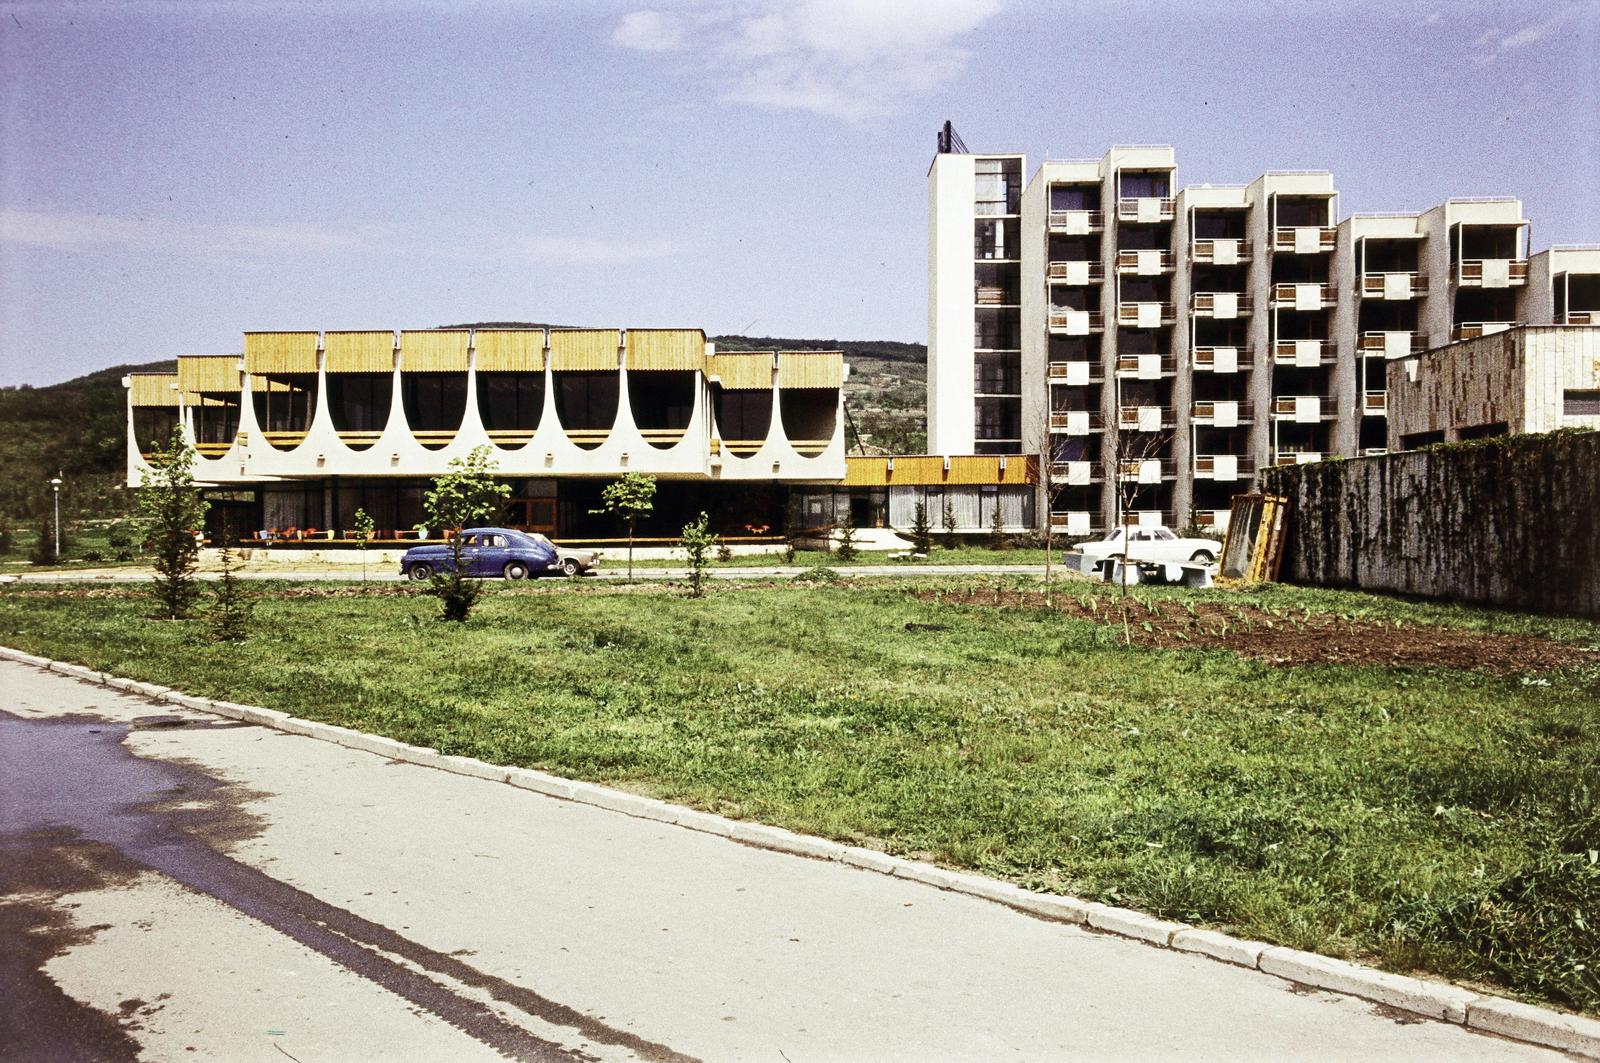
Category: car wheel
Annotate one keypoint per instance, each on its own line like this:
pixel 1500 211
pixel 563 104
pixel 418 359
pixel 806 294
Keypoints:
pixel 420 571
pixel 516 570
pixel 1203 557
pixel 570 566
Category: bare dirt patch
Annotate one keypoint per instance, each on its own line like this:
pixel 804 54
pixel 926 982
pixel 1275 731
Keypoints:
pixel 1294 637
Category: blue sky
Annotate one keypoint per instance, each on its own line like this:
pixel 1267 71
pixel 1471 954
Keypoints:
pixel 172 174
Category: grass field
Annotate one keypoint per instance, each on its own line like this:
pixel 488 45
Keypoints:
pixel 1427 819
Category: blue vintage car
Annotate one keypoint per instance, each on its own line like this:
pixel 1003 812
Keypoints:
pixel 488 552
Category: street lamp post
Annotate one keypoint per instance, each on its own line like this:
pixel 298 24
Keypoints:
pixel 55 486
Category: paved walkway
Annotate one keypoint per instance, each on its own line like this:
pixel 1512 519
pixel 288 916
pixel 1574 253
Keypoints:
pixel 611 572
pixel 190 887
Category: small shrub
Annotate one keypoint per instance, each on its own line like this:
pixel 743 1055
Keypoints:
pixel 846 550
pixel 788 552
pixel 121 534
pixel 819 574
pixel 921 530
pixel 231 604
pixel 7 537
pixel 44 546
pixel 697 545
pixel 997 528
pixel 93 556
pixel 948 519
pixel 724 551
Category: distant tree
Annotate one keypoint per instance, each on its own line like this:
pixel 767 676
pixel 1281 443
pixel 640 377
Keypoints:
pixel 364 528
pixel 697 545
pixel 44 546
pixel 921 530
pixel 466 496
pixel 629 498
pixel 174 512
pixel 948 519
pixel 846 550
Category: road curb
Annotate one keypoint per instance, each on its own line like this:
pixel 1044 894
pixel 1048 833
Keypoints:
pixel 1441 1001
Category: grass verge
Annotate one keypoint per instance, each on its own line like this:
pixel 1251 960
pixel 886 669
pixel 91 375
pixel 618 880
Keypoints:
pixel 1427 819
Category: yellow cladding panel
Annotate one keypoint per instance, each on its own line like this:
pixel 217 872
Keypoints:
pixel 591 350
pixel 929 471
pixel 208 372
pixel 434 351
pixel 260 385
pixel 742 371
pixel 280 352
pixel 509 350
pixel 810 369
pixel 358 352
pixel 154 389
pixel 666 348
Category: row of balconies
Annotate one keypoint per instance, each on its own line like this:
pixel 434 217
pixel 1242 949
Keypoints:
pixel 1234 359
pixel 1083 522
pixel 1215 413
pixel 1304 239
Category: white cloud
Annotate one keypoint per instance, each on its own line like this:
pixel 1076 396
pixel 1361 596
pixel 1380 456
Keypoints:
pixel 851 59
pixel 223 242
pixel 1532 33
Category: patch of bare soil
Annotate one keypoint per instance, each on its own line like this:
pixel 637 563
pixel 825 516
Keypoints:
pixel 1292 637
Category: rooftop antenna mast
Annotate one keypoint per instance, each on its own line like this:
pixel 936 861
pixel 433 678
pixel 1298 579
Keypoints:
pixel 950 142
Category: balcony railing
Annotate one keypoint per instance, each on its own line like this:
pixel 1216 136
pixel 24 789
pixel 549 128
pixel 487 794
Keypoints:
pixel 1075 473
pixel 1306 296
pixel 1375 403
pixel 1076 373
pixel 1075 422
pixel 1145 418
pixel 1076 272
pixel 1583 317
pixel 1076 322
pixel 1222 359
pixel 1487 272
pixel 1221 252
pixel 1221 412
pixel 1077 221
pixel 1223 466
pixel 1149 518
pixel 1215 520
pixel 1145 471
pixel 991 295
pixel 1302 407
pixel 1073 521
pixel 1304 239
pixel 1302 352
pixel 1471 330
pixel 1146 366
pixel 1219 305
pixel 1392 344
pixel 1394 285
pixel 1296 457
pixel 1145 315
pixel 1146 208
pixel 1373 452
pixel 1146 263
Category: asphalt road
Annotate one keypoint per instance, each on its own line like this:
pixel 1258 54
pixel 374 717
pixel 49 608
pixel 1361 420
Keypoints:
pixel 178 886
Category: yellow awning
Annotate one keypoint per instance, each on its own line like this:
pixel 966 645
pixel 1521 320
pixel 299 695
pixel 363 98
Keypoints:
pixel 742 371
pixel 509 350
pixel 154 389
pixel 923 470
pixel 280 352
pixel 810 369
pixel 208 372
pixel 662 348
pixel 358 352
pixel 591 350
pixel 434 351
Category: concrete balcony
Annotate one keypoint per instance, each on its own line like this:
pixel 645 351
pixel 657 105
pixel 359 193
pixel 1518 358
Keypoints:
pixel 1309 296
pixel 1219 252
pixel 1392 344
pixel 1582 317
pixel 1393 286
pixel 1375 403
pixel 1076 473
pixel 1145 315
pixel 1146 263
pixel 1304 409
pixel 1146 366
pixel 1073 522
pixel 1222 306
pixel 1223 467
pixel 1304 239
pixel 1146 209
pixel 1075 422
pixel 1471 330
pixel 1221 359
pixel 1077 222
pixel 1076 373
pixel 1296 457
pixel 1146 418
pixel 1492 272
pixel 996 295
pixel 1307 353
pixel 1076 322
pixel 1221 413
pixel 1145 471
pixel 1075 274
pixel 1214 521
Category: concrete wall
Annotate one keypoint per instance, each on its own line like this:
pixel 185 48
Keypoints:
pixel 1507 521
pixel 951 276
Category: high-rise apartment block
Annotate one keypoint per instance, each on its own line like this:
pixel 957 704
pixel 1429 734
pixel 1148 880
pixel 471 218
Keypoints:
pixel 1179 339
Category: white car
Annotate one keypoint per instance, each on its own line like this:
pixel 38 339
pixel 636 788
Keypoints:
pixel 1149 544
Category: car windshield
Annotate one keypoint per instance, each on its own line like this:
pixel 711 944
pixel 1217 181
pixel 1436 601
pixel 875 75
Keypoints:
pixel 540 540
pixel 1162 533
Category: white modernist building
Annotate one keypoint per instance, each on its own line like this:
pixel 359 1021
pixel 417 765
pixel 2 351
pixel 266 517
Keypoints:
pixel 1176 340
